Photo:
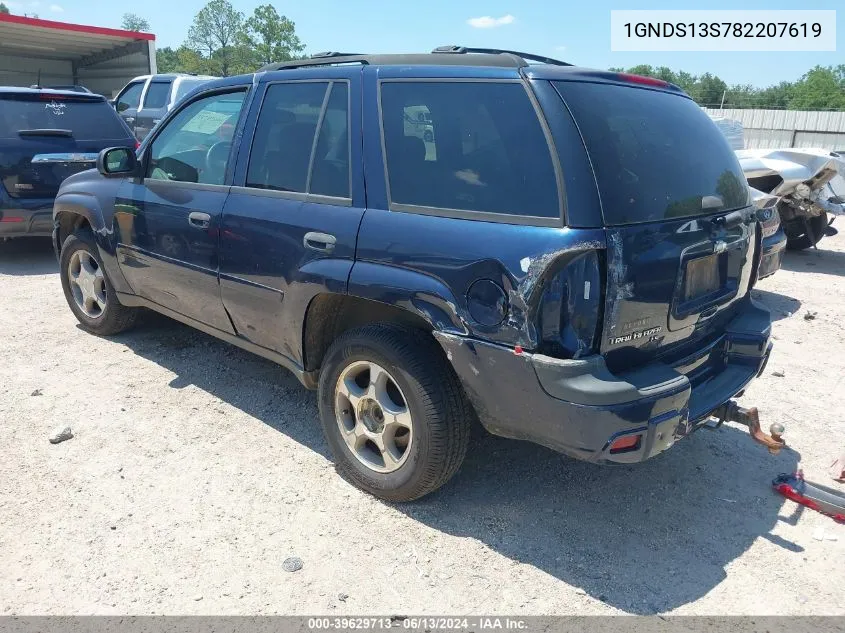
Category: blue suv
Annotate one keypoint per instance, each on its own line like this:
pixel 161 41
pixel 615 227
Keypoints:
pixel 564 254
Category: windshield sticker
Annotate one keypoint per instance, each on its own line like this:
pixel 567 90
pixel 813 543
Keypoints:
pixel 56 108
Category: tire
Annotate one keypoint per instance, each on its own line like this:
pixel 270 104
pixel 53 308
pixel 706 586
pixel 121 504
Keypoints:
pixel 111 317
pixel 796 234
pixel 440 414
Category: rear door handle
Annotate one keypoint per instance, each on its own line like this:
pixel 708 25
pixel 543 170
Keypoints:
pixel 322 242
pixel 199 220
pixel 130 119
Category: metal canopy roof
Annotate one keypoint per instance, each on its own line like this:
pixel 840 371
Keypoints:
pixel 83 45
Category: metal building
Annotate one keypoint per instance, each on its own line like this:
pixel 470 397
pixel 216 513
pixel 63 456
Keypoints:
pixel 101 59
pixel 771 129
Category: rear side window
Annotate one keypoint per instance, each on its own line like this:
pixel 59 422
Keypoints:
pixel 185 86
pixel 656 155
pixel 157 94
pixel 86 119
pixel 288 154
pixel 467 146
pixel 131 97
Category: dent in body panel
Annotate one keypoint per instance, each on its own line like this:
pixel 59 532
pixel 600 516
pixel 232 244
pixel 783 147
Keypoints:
pixel 428 264
pixel 617 288
pixel 90 195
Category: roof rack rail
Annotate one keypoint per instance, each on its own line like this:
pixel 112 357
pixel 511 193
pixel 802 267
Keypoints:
pixel 326 58
pixel 333 54
pixel 460 50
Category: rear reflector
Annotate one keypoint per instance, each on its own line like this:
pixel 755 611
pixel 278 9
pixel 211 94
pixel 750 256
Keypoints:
pixel 11 218
pixel 626 443
pixel 639 79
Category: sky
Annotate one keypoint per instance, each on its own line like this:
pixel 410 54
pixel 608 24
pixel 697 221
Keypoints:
pixel 575 32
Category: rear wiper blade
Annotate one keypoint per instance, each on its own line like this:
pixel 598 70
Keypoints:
pixel 45 132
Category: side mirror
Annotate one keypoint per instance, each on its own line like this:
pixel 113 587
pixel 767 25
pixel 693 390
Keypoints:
pixel 116 162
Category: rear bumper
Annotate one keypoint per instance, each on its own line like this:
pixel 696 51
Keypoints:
pixel 30 221
pixel 580 408
pixel 774 248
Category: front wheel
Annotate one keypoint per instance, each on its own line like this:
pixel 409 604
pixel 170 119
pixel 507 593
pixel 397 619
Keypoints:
pixel 797 236
pixel 393 411
pixel 87 288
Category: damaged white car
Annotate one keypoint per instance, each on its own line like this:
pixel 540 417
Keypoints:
pixel 809 184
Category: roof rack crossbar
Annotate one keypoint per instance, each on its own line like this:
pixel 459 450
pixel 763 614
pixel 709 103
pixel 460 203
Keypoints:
pixel 459 50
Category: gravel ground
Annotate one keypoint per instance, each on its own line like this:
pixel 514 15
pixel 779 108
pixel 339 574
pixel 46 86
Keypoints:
pixel 196 469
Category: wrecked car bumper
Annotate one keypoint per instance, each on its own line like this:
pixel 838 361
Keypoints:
pixel 580 408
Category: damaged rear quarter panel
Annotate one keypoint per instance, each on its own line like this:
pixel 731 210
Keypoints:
pixel 454 253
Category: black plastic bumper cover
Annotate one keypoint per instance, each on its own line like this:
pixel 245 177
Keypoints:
pixel 33 222
pixel 579 407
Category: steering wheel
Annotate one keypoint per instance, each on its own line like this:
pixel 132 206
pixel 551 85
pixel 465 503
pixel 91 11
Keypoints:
pixel 216 158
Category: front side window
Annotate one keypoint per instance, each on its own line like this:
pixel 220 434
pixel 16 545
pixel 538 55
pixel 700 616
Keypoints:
pixel 130 98
pixel 196 144
pixel 467 146
pixel 289 152
pixel 157 94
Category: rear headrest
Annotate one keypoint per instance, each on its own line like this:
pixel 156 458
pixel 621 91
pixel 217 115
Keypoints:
pixel 412 148
pixel 294 135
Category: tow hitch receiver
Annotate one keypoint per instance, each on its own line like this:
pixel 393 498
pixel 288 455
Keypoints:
pixel 732 412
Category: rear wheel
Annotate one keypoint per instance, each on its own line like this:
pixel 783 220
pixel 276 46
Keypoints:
pixel 797 235
pixel 88 291
pixel 393 411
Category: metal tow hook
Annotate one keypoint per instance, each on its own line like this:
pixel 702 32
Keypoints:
pixel 732 412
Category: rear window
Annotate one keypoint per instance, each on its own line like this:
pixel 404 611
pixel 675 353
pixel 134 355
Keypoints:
pixel 185 86
pixel 157 93
pixel 467 146
pixel 86 119
pixel 656 155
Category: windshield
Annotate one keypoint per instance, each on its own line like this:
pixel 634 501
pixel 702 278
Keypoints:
pixel 86 119
pixel 656 155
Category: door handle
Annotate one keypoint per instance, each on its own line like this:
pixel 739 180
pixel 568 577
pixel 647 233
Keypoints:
pixel 129 119
pixel 199 220
pixel 322 242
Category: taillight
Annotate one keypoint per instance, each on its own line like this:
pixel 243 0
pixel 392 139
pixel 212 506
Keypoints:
pixel 640 79
pixel 137 145
pixel 626 444
pixel 569 308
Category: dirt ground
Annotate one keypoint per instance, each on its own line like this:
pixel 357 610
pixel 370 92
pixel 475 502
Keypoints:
pixel 196 469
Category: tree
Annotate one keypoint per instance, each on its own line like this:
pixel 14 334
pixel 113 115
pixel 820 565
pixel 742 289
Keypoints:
pixel 3 8
pixel 167 60
pixel 215 33
pixel 181 60
pixel 132 22
pixel 820 89
pixel 270 37
pixel 710 90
